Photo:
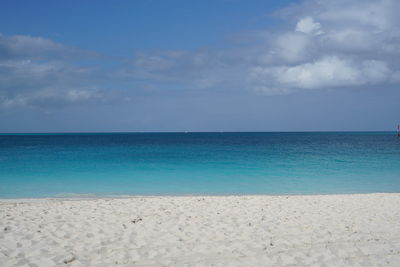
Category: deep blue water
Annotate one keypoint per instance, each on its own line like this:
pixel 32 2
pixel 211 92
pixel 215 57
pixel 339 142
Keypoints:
pixel 45 165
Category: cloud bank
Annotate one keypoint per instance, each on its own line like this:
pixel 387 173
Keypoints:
pixel 322 45
pixel 38 72
pixel 319 45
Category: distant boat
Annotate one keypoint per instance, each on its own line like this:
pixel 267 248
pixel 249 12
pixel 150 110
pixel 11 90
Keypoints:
pixel 398 130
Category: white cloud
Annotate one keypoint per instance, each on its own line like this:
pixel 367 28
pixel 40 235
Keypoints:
pixel 376 15
pixel 38 48
pixel 309 26
pixel 35 71
pixel 328 72
pixel 293 47
pixel 51 97
pixel 358 46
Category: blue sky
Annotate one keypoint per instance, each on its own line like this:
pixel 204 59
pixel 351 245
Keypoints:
pixel 119 27
pixel 222 65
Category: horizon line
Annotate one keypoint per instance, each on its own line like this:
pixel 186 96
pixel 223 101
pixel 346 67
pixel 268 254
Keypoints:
pixel 129 132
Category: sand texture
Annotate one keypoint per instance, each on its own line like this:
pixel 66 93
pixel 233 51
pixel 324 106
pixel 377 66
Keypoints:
pixel 331 230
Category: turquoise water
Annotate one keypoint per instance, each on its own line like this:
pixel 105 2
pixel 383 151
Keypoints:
pixel 46 165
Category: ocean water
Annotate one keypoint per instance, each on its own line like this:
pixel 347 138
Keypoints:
pixel 49 165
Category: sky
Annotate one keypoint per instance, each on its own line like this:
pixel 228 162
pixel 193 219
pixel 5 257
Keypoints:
pixel 191 65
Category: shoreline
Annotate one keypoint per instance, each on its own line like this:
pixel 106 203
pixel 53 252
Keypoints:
pixel 246 230
pixel 28 199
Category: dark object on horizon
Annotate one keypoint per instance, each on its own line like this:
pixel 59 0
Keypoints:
pixel 398 130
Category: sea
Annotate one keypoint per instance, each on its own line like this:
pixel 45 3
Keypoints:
pixel 234 163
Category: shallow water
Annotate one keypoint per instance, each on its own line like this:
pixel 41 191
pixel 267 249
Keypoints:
pixel 46 165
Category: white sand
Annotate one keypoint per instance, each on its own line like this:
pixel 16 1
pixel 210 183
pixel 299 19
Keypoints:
pixel 336 230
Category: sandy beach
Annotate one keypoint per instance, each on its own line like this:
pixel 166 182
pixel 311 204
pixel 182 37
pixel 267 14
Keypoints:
pixel 331 230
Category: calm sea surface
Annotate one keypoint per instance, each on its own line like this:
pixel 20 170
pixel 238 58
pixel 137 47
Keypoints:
pixel 46 165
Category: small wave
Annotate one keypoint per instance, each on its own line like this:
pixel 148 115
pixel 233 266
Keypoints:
pixel 77 195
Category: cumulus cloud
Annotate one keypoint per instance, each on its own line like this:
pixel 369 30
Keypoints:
pixel 328 72
pixel 349 44
pixel 292 47
pixel 324 45
pixel 309 26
